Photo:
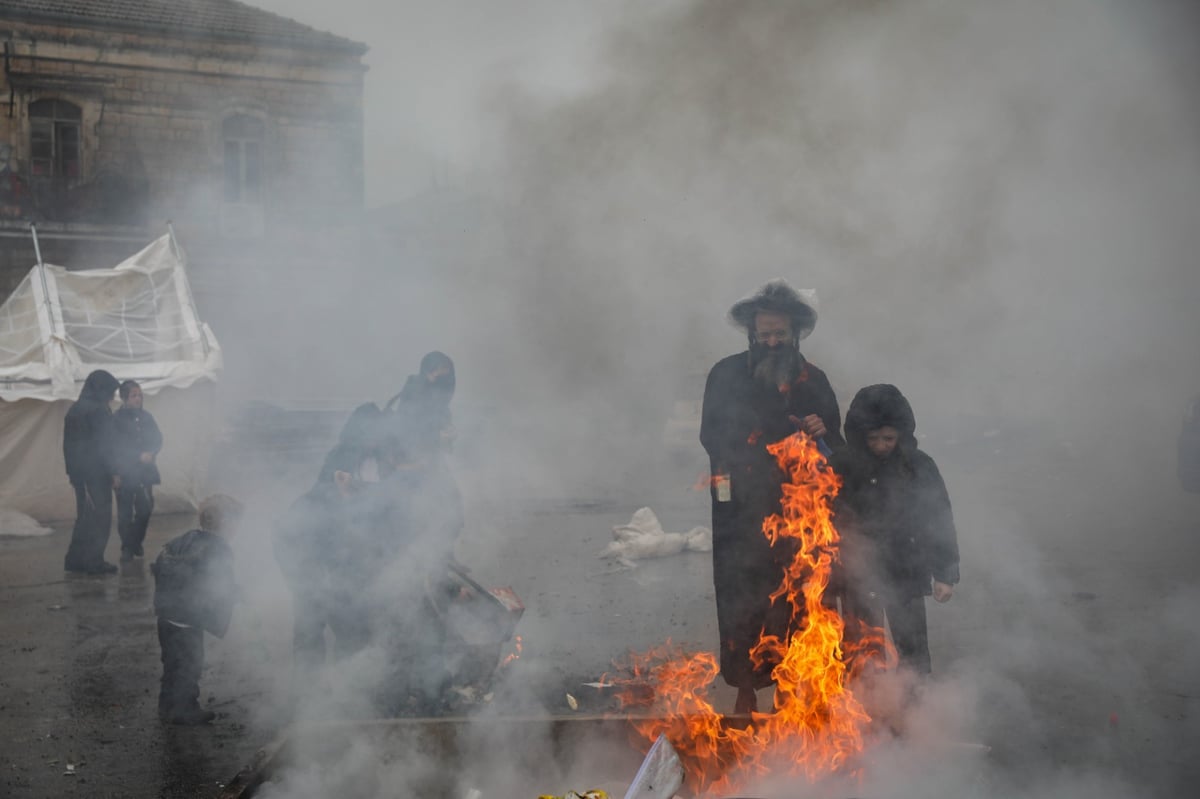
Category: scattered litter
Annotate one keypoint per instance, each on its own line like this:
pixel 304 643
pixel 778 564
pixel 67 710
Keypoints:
pixel 644 537
pixel 70 772
pixel 572 702
pixel 465 692
pixel 56 607
pixel 595 793
pixel 660 775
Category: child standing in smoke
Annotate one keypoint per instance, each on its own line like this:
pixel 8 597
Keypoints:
pixel 138 443
pixel 899 544
pixel 194 591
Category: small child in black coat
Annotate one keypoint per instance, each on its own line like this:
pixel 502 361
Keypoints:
pixel 194 591
pixel 899 544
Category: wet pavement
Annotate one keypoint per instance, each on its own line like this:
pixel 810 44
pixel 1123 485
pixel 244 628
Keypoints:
pixel 79 683
pixel 79 668
pixel 1072 642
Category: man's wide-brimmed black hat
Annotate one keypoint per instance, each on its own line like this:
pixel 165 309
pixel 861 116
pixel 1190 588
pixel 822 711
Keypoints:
pixel 778 297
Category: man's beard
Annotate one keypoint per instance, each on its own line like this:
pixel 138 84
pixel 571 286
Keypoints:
pixel 776 366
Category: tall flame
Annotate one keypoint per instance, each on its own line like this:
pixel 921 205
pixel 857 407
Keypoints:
pixel 817 724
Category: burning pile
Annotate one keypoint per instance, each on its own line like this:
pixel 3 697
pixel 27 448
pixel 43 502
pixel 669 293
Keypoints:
pixel 817 724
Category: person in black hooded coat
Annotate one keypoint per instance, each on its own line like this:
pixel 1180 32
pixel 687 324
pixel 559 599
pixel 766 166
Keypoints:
pixel 893 513
pixel 323 545
pixel 752 399
pixel 420 413
pixel 89 450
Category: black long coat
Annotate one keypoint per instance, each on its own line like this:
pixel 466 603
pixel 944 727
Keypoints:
pixel 897 524
pixel 740 418
pixel 89 443
pixel 894 513
pixel 136 432
pixel 321 549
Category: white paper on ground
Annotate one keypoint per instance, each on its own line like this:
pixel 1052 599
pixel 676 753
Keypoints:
pixel 661 773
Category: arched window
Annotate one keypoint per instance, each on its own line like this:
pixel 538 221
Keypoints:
pixel 54 138
pixel 243 138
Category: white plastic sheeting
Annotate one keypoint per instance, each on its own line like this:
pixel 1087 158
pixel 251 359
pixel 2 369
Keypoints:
pixel 136 320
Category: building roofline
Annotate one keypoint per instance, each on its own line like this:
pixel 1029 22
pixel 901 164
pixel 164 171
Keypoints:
pixel 319 40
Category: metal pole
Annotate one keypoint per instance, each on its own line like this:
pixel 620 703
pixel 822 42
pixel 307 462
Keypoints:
pixel 37 249
pixel 174 241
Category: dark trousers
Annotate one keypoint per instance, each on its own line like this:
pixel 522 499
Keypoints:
pixel 182 661
pixel 93 523
pixel 420 663
pixel 905 617
pixel 347 621
pixel 134 506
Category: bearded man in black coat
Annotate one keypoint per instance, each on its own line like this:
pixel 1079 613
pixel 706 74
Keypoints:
pixel 752 399
pixel 89 449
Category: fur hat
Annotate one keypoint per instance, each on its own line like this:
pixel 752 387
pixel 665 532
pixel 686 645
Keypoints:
pixel 777 296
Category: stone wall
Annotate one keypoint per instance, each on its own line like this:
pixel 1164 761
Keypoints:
pixel 153 107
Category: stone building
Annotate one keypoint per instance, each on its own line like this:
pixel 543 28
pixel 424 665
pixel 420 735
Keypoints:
pixel 240 126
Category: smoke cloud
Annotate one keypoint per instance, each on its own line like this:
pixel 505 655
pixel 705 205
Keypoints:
pixel 998 205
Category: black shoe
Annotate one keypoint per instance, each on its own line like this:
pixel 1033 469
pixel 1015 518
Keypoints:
pixel 138 553
pixel 189 718
pixel 104 567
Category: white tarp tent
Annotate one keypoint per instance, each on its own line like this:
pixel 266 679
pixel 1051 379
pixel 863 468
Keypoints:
pixel 136 320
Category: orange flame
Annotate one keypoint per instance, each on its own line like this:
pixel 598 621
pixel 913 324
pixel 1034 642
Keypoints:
pixel 516 653
pixel 817 724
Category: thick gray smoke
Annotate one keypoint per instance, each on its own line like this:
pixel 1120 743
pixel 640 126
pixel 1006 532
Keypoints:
pixel 999 205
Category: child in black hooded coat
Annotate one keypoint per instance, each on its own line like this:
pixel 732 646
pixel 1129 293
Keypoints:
pixel 893 513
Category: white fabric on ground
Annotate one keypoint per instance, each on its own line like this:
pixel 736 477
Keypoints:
pixel 18 525
pixel 644 537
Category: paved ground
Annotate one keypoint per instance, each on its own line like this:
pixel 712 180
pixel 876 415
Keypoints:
pixel 1071 647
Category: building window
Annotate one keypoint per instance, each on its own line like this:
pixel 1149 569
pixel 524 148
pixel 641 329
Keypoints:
pixel 54 139
pixel 243 137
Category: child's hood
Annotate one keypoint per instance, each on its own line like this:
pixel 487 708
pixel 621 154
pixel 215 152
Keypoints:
pixel 880 405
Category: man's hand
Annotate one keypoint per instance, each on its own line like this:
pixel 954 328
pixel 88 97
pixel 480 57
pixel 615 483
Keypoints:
pixel 147 457
pixel 811 424
pixel 942 591
pixel 116 481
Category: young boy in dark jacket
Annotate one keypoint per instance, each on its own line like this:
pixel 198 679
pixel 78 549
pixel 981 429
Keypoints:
pixel 893 513
pixel 138 441
pixel 194 591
